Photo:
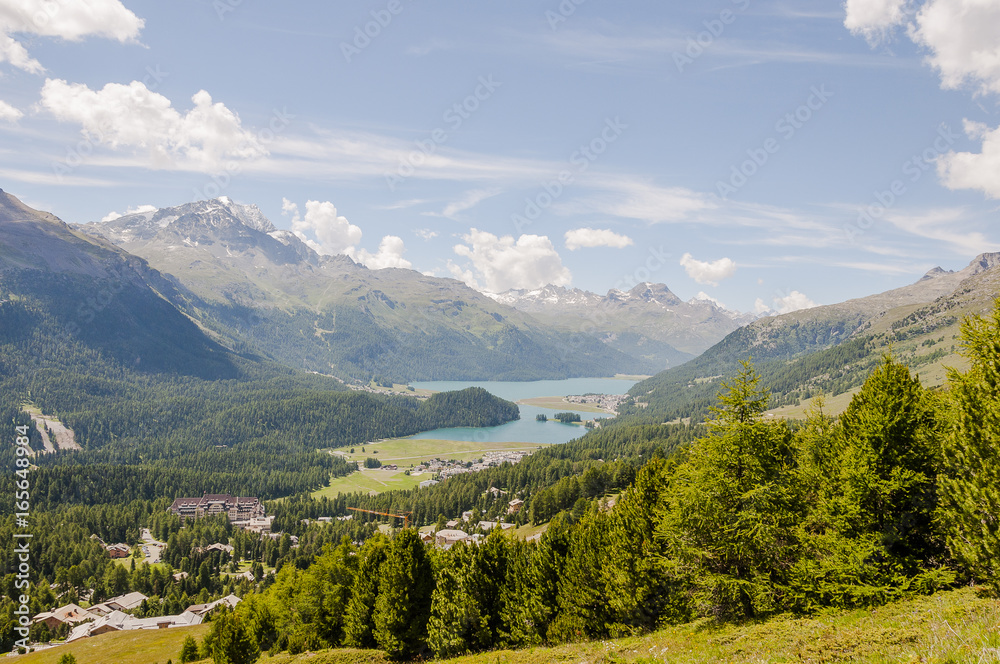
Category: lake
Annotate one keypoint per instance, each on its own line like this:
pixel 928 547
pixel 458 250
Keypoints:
pixel 527 429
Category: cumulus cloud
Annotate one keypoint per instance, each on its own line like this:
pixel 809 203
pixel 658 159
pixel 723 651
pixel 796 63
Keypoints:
pixel 794 301
pixel 874 19
pixel 761 307
pixel 389 254
pixel 702 296
pixel 132 116
pixel 426 233
pixel 595 237
pixel 960 37
pixel 330 233
pixel 66 19
pixel 327 232
pixel 708 273
pixel 971 170
pixel 111 216
pixel 499 264
pixel 8 113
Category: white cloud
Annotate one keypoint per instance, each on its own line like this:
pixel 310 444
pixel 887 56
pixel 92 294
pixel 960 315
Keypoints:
pixel 111 216
pixel 702 296
pixel 708 273
pixel 469 201
pixel 962 36
pixel 499 264
pixel 8 113
pixel 969 170
pixel 761 307
pixel 595 237
pixel 647 202
pixel 132 116
pixel 794 301
pixel 390 254
pixel 327 232
pixel 945 227
pixel 874 19
pixel 66 19
pixel 426 233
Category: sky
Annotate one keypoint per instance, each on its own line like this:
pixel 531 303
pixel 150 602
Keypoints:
pixel 771 155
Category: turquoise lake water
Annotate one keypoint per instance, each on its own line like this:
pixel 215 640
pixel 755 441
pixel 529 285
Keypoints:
pixel 526 430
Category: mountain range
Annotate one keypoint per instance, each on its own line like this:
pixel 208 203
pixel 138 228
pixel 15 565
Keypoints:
pixel 829 350
pixel 267 288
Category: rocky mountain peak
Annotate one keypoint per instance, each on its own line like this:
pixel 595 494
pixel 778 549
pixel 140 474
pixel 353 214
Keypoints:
pixel 983 262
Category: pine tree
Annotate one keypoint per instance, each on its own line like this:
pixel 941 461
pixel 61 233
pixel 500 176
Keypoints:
pixel 455 626
pixel 358 631
pixel 189 650
pixel 406 583
pixel 729 525
pixel 970 482
pixel 233 643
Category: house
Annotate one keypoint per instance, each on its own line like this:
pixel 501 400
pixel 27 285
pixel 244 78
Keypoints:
pixel 490 525
pixel 180 576
pixel 426 484
pixel 236 508
pixel 427 538
pixel 117 621
pixel 467 516
pixel 261 524
pixel 497 492
pixel 121 603
pixel 514 506
pixel 224 548
pixel 203 609
pixel 119 550
pixel 448 537
pixel 71 614
pixel 390 466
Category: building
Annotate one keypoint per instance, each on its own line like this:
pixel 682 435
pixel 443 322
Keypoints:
pixel 121 603
pixel 117 621
pixel 237 508
pixel 514 506
pixel 426 484
pixel 119 550
pixel 203 609
pixel 447 538
pixel 70 614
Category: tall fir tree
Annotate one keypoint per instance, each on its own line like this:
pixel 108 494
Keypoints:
pixel 970 482
pixel 358 623
pixel 406 583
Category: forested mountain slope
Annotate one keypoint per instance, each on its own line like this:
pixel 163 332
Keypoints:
pixel 831 349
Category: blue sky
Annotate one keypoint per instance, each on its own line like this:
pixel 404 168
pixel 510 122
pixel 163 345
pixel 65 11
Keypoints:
pixel 766 154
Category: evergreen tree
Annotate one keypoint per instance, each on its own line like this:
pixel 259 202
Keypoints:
pixel 729 525
pixel 358 618
pixel 233 642
pixel 970 510
pixel 456 625
pixel 189 650
pixel 406 583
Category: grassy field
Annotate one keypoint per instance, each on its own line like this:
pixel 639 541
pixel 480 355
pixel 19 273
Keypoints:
pixel 406 451
pixel 560 403
pixel 369 480
pixel 153 646
pixel 947 628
